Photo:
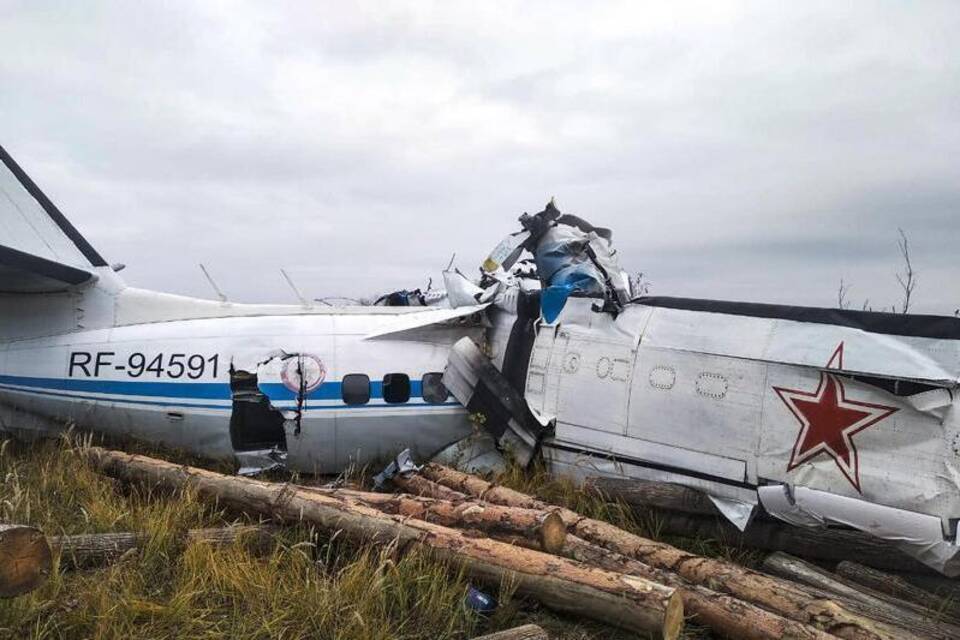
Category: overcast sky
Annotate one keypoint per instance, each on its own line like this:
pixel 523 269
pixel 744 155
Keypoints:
pixel 756 151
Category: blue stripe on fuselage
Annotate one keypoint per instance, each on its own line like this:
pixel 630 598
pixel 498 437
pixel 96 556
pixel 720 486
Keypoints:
pixel 194 390
pixel 76 396
pixel 277 392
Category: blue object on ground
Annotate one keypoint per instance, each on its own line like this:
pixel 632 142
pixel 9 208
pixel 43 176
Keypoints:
pixel 479 601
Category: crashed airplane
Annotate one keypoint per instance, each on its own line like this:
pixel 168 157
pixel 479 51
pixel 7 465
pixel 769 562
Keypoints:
pixel 822 416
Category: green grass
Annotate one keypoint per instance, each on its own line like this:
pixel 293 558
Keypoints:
pixel 306 586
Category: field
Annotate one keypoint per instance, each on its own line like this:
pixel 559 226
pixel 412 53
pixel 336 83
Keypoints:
pixel 309 584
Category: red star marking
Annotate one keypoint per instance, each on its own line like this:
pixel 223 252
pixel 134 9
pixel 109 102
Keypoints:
pixel 829 420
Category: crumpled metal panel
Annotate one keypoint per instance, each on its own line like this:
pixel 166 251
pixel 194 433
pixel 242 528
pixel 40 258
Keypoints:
pixel 918 535
pixel 403 463
pixel 562 259
pixel 738 512
pixel 253 463
pixel 460 291
pixel 473 380
pixel 477 453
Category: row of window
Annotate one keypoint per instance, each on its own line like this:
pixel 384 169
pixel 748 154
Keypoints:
pixel 355 388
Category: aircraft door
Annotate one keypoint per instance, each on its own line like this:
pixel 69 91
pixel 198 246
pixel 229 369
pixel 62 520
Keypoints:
pixel 543 374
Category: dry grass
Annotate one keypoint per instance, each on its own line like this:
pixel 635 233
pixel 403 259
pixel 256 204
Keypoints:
pixel 307 586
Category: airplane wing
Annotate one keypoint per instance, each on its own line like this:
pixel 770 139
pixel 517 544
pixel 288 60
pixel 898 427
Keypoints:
pixel 40 251
pixel 424 319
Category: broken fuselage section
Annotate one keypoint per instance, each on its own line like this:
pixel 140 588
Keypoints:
pixel 823 417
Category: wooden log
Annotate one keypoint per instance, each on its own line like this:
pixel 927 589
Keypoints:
pixel 95 549
pixel 544 526
pixel 723 614
pixel 25 559
pixel 940 585
pixel 780 596
pixel 525 632
pixel 866 600
pixel 561 584
pixel 644 494
pixel 417 485
pixel 899 587
pixel 727 616
pixel 831 545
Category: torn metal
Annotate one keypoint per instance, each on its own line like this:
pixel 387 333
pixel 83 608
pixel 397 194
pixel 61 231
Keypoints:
pixel 573 258
pixel 400 465
pixel 480 387
pixel 826 417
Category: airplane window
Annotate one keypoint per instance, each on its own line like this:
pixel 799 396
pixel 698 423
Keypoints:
pixel 434 391
pixel 396 388
pixel 355 388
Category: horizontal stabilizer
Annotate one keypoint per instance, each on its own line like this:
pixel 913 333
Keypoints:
pixel 26 273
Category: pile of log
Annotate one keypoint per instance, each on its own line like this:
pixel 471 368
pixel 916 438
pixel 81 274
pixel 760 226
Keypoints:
pixel 919 616
pixel 461 532
pixel 570 563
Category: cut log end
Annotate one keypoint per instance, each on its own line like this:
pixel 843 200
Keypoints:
pixel 25 559
pixel 673 618
pixel 552 533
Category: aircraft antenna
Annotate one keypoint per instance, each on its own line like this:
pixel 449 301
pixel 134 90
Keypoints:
pixel 296 292
pixel 213 284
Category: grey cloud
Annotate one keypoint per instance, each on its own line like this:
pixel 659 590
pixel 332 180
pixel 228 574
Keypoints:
pixel 754 152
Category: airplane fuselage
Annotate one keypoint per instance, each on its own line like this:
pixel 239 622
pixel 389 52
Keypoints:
pixel 220 386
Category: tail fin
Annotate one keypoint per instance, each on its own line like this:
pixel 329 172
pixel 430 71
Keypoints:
pixel 40 251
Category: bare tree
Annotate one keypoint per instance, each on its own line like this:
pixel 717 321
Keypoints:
pixel 908 278
pixel 842 302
